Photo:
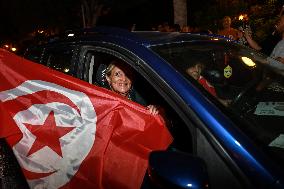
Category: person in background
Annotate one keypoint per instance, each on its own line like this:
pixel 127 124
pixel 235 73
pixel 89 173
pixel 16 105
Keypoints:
pixel 278 51
pixel 250 41
pixel 244 30
pixel 120 80
pixel 245 35
pixel 185 29
pixel 271 45
pixel 227 30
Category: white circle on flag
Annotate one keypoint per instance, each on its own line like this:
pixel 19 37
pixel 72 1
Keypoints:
pixel 75 145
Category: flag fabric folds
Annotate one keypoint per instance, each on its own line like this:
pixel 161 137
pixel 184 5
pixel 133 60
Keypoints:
pixel 67 133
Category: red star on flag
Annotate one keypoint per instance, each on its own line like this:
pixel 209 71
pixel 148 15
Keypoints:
pixel 48 134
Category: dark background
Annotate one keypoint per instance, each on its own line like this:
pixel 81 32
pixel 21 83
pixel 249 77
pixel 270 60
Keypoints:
pixel 19 19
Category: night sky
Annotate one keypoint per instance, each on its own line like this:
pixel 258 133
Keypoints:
pixel 19 17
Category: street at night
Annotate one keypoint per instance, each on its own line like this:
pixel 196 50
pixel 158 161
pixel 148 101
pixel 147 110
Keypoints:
pixel 142 94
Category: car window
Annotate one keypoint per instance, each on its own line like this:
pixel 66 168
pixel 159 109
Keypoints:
pixel 95 73
pixel 223 64
pixel 255 91
pixel 34 54
pixel 59 59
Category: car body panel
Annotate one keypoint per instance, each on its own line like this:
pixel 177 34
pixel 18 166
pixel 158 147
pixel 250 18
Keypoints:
pixel 234 146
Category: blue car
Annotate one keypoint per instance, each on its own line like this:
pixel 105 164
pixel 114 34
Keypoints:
pixel 226 116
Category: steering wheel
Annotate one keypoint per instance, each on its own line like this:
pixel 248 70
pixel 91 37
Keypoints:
pixel 258 78
pixel 251 85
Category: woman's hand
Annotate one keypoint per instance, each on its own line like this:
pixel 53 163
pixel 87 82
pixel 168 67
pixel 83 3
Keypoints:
pixel 153 109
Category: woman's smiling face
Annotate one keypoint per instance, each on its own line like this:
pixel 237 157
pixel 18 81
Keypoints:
pixel 119 81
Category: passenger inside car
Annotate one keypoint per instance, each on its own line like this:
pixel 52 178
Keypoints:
pixel 195 71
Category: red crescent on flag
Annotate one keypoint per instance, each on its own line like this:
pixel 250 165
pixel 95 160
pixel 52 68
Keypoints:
pixel 32 175
pixel 23 103
pixel 26 96
pixel 41 97
pixel 26 101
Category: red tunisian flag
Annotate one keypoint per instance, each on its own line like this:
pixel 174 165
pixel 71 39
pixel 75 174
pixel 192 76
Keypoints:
pixel 67 133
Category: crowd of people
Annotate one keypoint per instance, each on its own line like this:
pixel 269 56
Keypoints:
pixel 243 35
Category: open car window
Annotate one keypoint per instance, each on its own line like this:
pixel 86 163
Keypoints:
pixel 96 63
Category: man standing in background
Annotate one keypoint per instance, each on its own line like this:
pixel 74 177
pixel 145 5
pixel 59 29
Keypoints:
pixel 227 30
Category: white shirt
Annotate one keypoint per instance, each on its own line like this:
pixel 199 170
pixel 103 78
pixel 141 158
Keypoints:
pixel 278 50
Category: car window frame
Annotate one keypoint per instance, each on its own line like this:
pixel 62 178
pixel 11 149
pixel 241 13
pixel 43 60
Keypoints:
pixel 34 54
pixel 136 63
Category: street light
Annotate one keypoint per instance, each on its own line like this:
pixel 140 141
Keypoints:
pixel 40 31
pixel 243 17
pixel 10 47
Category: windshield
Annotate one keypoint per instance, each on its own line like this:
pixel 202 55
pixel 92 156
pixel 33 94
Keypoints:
pixel 242 81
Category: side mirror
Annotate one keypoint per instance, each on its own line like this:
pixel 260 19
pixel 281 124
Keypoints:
pixel 171 169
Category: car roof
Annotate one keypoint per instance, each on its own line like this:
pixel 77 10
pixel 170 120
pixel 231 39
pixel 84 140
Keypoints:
pixel 145 38
pixel 156 37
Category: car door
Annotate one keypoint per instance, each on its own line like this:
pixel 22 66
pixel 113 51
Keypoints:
pixel 178 116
